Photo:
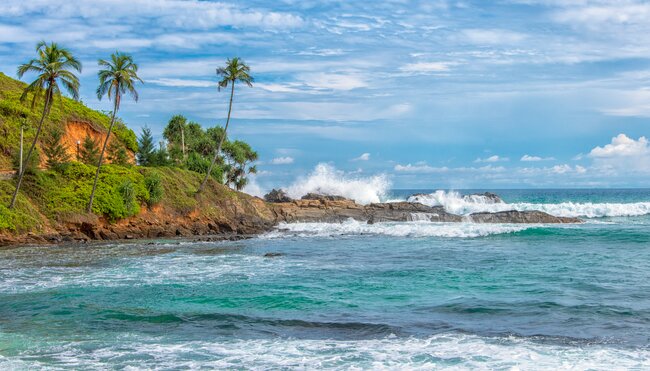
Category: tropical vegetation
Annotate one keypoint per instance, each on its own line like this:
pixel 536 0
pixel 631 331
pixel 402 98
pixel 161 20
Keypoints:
pixel 109 171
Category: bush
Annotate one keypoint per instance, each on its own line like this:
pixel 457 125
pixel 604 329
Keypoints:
pixel 127 190
pixel 70 191
pixel 153 183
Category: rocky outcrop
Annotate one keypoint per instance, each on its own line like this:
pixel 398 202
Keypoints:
pixel 338 209
pixel 513 216
pixel 488 196
pixel 277 196
pixel 320 197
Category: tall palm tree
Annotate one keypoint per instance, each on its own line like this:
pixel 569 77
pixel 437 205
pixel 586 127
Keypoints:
pixel 116 78
pixel 53 64
pixel 234 71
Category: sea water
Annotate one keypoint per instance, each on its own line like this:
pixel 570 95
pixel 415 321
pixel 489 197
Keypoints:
pixel 416 295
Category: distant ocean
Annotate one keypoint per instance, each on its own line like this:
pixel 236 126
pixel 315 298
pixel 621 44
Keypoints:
pixel 351 295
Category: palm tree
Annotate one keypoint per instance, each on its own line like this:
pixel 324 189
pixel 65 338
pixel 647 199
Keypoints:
pixel 234 71
pixel 116 78
pixel 54 64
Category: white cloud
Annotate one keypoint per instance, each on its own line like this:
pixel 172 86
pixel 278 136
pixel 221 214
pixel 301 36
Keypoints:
pixel 333 81
pixel 492 36
pixel 282 160
pixel 363 157
pixel 622 146
pixel 623 155
pixel 420 168
pixel 427 67
pixel 528 158
pixel 182 83
pixel 279 88
pixel 494 158
pixel 188 14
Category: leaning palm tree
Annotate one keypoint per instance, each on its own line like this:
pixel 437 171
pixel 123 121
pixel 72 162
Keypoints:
pixel 116 78
pixel 54 64
pixel 234 71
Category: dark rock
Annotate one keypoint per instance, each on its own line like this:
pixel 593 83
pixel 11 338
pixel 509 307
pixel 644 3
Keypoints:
pixel 277 196
pixel 320 197
pixel 272 254
pixel 515 217
pixel 491 197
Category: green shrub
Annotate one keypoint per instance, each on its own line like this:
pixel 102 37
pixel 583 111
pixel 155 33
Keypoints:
pixel 61 194
pixel 127 190
pixel 153 183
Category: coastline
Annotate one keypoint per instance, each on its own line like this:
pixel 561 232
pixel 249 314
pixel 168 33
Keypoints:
pixel 229 215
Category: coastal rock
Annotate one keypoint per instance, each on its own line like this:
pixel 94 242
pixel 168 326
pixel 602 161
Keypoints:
pixel 515 217
pixel 277 196
pixel 489 196
pixel 320 197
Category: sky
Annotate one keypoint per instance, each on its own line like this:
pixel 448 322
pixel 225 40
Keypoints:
pixel 432 94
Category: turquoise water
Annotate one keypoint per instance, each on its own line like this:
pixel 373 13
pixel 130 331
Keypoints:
pixel 394 295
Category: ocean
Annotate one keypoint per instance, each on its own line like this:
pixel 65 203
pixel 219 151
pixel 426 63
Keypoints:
pixel 416 295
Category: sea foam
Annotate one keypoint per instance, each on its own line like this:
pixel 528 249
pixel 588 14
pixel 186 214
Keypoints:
pixel 325 179
pixel 402 229
pixel 455 203
pixel 443 351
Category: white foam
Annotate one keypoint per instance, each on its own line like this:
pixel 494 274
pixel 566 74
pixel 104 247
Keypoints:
pixel 454 203
pixel 443 351
pixel 402 229
pixel 327 180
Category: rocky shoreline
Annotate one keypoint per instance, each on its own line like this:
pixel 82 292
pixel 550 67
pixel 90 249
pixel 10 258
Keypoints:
pixel 249 216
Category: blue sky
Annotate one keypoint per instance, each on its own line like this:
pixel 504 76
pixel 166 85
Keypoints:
pixel 433 94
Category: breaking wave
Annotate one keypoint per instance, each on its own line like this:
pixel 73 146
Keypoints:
pixel 402 229
pixel 325 179
pixel 455 203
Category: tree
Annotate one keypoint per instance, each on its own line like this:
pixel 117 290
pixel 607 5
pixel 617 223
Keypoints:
pixel 53 64
pixel 117 154
pixel 234 71
pixel 161 156
pixel 117 77
pixel 89 153
pixel 55 151
pixel 145 148
pixel 240 157
pixel 175 134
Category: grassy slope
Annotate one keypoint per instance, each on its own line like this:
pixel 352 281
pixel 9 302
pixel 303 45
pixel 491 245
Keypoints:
pixel 13 113
pixel 48 197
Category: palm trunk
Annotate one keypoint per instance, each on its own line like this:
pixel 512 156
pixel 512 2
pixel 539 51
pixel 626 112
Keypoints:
pixel 101 155
pixel 48 99
pixel 223 137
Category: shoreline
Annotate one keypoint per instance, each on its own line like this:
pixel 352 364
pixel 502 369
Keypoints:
pixel 245 216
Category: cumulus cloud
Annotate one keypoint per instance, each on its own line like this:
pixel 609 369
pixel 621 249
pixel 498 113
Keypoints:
pixel 363 157
pixel 282 160
pixel 494 158
pixel 528 158
pixel 622 155
pixel 622 146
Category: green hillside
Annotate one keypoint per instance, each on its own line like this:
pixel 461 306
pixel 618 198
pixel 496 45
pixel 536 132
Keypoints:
pixel 13 113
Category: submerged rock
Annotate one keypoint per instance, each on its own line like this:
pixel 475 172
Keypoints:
pixel 277 196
